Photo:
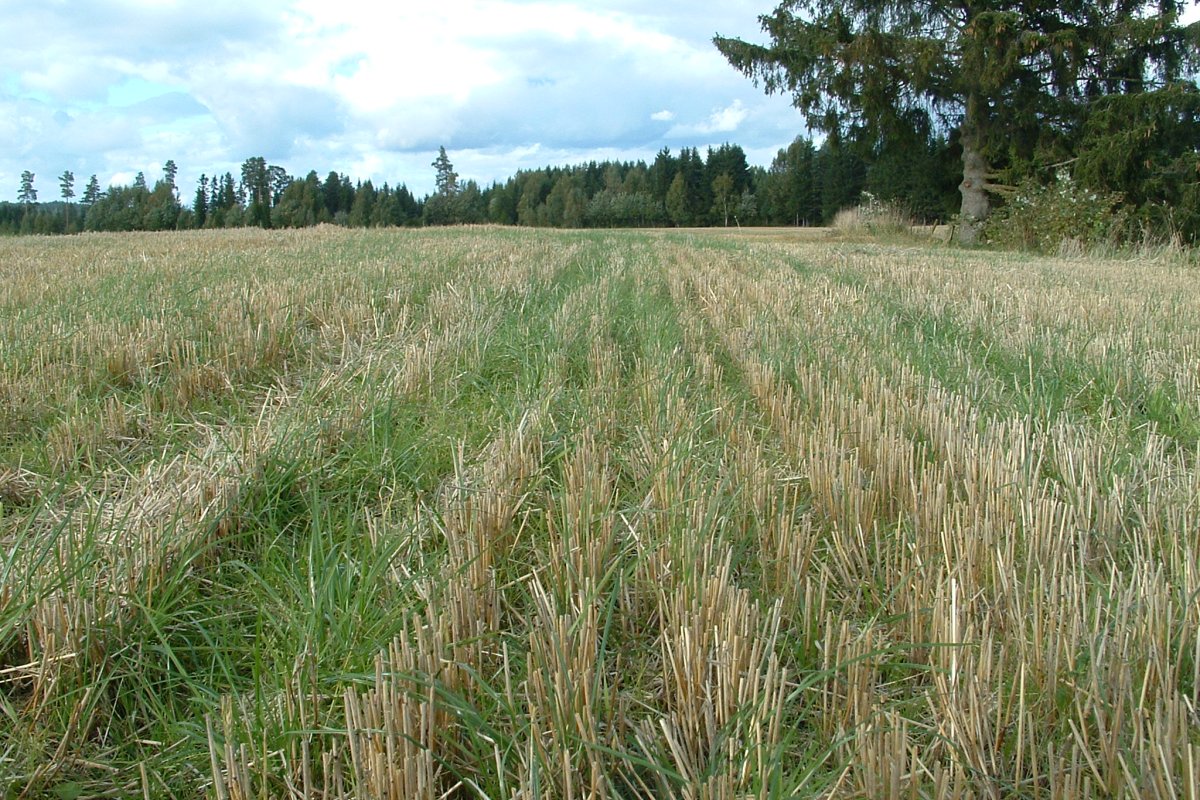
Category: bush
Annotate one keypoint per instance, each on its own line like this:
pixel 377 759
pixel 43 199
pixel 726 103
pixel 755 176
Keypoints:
pixel 1062 217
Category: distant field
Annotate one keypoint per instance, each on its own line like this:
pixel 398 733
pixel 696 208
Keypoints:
pixel 531 514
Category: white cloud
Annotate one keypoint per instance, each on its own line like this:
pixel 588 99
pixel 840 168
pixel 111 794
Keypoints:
pixel 371 89
pixel 722 120
pixel 725 120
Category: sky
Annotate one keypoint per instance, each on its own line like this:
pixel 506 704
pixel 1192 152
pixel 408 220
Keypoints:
pixel 370 88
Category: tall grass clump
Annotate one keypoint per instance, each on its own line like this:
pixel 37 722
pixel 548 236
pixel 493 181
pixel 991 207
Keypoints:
pixel 873 216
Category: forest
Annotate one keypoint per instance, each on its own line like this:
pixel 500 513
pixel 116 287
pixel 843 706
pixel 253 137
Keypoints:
pixel 805 184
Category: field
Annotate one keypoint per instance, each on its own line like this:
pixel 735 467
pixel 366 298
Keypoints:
pixel 529 514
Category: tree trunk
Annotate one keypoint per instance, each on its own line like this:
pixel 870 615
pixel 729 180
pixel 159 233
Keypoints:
pixel 975 202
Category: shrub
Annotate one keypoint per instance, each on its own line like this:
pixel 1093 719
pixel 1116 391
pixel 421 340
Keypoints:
pixel 1062 217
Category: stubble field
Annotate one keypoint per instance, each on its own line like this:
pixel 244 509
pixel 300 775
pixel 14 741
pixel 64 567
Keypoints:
pixel 528 514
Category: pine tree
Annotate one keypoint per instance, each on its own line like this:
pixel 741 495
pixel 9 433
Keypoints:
pixel 66 183
pixel 27 194
pixel 364 203
pixel 447 178
pixel 169 173
pixel 790 188
pixel 662 172
pixel 256 186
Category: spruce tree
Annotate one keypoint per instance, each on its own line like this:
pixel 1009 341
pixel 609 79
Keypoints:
pixel 1008 75
pixel 200 203
pixel 91 192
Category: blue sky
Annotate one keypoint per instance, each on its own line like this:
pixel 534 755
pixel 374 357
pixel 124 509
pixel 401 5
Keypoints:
pixel 369 88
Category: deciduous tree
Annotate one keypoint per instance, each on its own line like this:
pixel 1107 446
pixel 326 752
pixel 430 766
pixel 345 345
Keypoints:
pixel 722 193
pixel 677 201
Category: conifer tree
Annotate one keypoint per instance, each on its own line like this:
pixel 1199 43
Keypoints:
pixel 169 173
pixel 1007 75
pixel 200 203
pixel 27 194
pixel 91 192
pixel 447 178
pixel 66 183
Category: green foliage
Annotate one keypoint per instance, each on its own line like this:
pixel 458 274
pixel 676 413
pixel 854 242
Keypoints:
pixel 364 205
pixel 677 205
pixel 132 208
pixel 566 203
pixel 1061 217
pixel 66 183
pixel 728 159
pixel 170 171
pixel 914 167
pixel 1146 147
pixel 790 187
pixel 841 175
pixel 723 194
pixel 1013 78
pixel 200 203
pixel 447 178
pixel 454 203
pixel 92 192
pixel 27 194
pixel 121 208
pixel 256 187
pixel 1142 146
pixel 464 207
pixel 746 210
pixel 502 205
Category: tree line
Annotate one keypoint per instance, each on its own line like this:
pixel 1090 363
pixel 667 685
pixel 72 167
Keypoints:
pixel 261 195
pixel 806 184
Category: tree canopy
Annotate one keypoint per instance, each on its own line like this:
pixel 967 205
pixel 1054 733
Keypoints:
pixel 1013 80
